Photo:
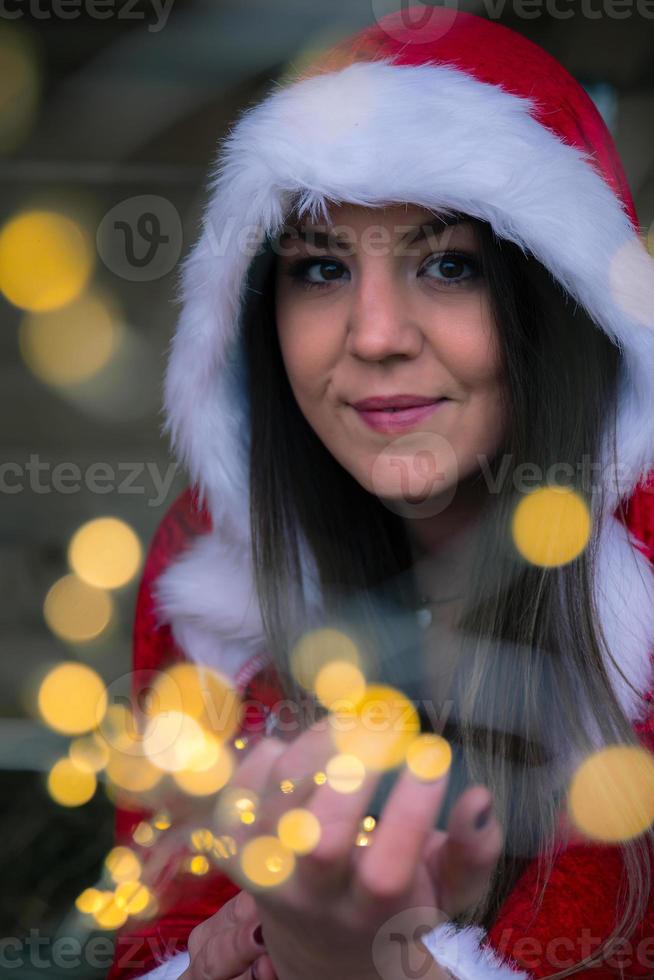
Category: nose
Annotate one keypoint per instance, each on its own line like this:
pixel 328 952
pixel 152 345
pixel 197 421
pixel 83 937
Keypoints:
pixel 380 324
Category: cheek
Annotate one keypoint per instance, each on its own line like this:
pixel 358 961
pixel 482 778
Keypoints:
pixel 474 359
pixel 308 349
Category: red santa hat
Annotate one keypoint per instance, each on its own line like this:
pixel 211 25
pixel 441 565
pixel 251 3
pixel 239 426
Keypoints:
pixel 460 113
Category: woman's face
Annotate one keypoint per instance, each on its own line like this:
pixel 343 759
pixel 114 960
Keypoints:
pixel 388 311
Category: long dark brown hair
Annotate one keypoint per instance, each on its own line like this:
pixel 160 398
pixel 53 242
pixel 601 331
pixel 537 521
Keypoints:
pixel 533 657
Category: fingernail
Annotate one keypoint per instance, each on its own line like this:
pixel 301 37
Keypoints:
pixel 257 935
pixel 483 817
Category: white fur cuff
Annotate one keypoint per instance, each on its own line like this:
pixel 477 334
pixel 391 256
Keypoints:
pixel 169 969
pixel 460 952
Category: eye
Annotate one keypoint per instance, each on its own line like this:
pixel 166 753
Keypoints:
pixel 329 268
pixel 313 273
pixel 450 266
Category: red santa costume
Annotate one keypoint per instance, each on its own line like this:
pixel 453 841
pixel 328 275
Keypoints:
pixel 463 114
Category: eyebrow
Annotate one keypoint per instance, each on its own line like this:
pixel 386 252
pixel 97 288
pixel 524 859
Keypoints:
pixel 324 239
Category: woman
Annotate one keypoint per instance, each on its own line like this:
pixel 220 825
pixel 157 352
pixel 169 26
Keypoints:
pixel 483 259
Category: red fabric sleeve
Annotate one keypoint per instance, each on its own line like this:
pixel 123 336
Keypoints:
pixel 583 895
pixel 578 912
pixel 184 899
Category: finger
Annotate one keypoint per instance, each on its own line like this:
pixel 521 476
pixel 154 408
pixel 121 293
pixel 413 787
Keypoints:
pixel 249 779
pixel 292 775
pixel 242 908
pixel 226 952
pixel 388 866
pixel 462 863
pixel 339 815
pixel 262 969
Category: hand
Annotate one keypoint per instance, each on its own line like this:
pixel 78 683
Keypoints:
pixel 223 947
pixel 331 917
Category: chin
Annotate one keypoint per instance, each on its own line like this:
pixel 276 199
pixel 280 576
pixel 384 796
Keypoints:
pixel 410 498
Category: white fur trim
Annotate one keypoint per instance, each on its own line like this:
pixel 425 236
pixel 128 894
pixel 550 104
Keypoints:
pixel 208 597
pixel 460 952
pixel 427 124
pixel 169 969
pixel 625 602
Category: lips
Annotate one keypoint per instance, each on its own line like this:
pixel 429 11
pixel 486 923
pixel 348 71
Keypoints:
pixel 390 416
pixel 381 402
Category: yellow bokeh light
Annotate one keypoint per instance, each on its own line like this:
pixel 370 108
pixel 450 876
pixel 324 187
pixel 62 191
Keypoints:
pixel 172 740
pixel 72 698
pixel 89 752
pixel 70 345
pixel 45 260
pixel 611 796
pixel 161 820
pixel 202 839
pixel 20 87
pixel 368 824
pixel 266 862
pixel 70 786
pixel 143 834
pixel 345 773
pixel 118 729
pixel 76 611
pixel 339 681
pixel 122 864
pixel 319 778
pixel 200 693
pixel 130 772
pixel 105 553
pixel 317 648
pixel 551 526
pixel 287 786
pixel 151 910
pixel 299 830
pixel 378 728
pixel 232 804
pixel 198 865
pixel 90 901
pixel 111 915
pixel 224 848
pixel 132 896
pixel 208 753
pixel 205 781
pixel 429 757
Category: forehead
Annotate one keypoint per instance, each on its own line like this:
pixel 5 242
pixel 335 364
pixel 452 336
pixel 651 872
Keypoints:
pixel 387 214
pixel 348 223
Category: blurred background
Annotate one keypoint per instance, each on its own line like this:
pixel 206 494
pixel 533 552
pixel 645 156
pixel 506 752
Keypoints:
pixel 109 116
